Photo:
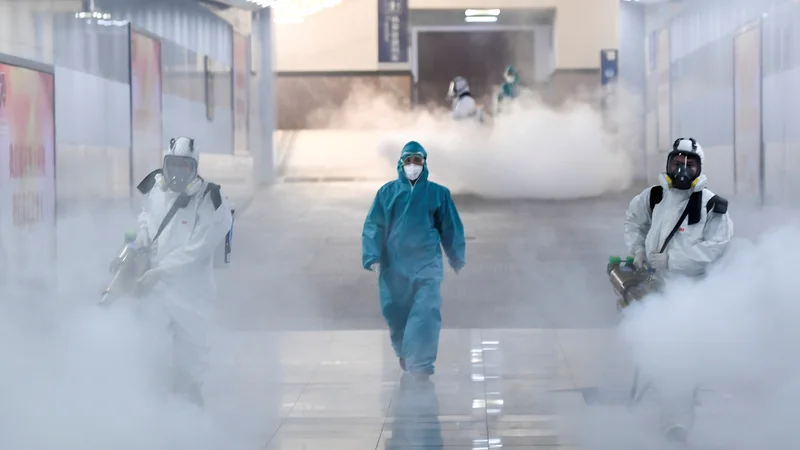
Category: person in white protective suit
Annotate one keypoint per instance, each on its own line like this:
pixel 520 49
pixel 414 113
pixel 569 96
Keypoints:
pixel 679 228
pixel 463 104
pixel 179 287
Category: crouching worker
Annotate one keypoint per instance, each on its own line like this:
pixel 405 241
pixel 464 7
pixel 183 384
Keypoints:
pixel 410 221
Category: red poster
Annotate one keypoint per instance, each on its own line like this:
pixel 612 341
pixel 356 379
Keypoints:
pixel 27 167
pixel 146 104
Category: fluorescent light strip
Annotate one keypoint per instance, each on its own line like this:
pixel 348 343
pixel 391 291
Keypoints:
pixel 480 19
pixel 482 12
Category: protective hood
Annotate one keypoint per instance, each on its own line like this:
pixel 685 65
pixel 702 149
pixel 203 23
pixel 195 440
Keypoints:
pixel 180 164
pixel 511 71
pixel 458 87
pixel 413 148
pixel 689 147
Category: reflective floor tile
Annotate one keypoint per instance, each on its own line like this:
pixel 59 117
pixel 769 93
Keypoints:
pixel 321 443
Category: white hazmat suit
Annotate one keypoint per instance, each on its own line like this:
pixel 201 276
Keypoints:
pixel 180 287
pixel 463 104
pixel 699 240
pixel 703 235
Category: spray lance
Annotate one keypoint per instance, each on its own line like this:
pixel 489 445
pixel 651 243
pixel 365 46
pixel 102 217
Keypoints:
pixel 128 266
pixel 631 284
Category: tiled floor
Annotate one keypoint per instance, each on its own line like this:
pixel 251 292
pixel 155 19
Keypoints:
pixel 344 390
pixel 305 358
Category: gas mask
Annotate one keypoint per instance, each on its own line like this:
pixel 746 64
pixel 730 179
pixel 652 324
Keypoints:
pixel 683 168
pixel 179 172
pixel 412 171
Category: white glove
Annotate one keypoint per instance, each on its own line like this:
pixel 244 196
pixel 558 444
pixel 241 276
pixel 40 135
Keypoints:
pixel 639 259
pixel 142 239
pixel 375 267
pixel 658 261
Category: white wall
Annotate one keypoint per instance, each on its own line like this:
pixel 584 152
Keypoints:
pixel 702 84
pixel 341 38
pixel 92 137
pixel 345 37
pixel 632 72
pixel 26 27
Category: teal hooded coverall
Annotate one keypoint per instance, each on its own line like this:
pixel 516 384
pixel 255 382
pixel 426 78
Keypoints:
pixel 405 231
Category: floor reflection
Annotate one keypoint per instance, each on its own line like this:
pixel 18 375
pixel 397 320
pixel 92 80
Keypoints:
pixel 415 413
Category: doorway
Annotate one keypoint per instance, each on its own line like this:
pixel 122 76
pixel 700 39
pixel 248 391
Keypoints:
pixel 480 56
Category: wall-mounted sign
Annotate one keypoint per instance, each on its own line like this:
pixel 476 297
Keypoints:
pixel 392 31
pixel 609 66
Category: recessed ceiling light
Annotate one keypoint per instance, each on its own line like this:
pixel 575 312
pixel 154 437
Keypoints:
pixel 482 12
pixel 480 19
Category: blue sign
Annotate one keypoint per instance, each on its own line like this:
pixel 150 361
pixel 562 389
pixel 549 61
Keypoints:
pixel 609 66
pixel 392 31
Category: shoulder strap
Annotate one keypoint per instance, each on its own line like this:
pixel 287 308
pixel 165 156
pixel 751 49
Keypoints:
pixel 146 185
pixel 179 202
pixel 216 196
pixel 656 195
pixel 717 204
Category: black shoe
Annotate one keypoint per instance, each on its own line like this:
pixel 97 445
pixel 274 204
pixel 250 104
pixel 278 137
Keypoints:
pixel 403 364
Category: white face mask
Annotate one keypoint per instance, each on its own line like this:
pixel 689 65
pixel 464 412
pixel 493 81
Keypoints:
pixel 412 171
pixel 510 78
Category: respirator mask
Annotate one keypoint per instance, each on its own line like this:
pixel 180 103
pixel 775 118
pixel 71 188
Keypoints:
pixel 683 165
pixel 412 167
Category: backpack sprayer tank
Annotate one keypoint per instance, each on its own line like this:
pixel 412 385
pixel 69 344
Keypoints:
pixel 129 265
pixel 631 284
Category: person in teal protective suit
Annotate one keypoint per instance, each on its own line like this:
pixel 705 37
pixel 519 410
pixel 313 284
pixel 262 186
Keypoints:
pixel 410 221
pixel 510 87
pixel 509 90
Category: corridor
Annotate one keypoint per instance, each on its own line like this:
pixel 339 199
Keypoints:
pixel 527 356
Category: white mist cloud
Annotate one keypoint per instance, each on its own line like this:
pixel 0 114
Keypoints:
pixel 532 151
pixel 733 334
pixel 74 376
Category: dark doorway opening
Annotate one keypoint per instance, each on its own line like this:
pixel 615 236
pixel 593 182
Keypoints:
pixel 479 56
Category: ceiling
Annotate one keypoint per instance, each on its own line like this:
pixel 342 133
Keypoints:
pixel 455 17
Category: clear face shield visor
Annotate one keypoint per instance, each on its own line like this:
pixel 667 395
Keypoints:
pixel 179 171
pixel 451 91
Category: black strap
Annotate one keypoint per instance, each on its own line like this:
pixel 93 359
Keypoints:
pixel 180 202
pixel 216 196
pixel 677 227
pixel 656 195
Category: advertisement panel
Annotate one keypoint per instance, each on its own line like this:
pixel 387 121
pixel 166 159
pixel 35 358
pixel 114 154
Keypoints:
pixel 27 171
pixel 748 148
pixel 146 126
pixel 392 31
pixel 241 94
pixel 664 91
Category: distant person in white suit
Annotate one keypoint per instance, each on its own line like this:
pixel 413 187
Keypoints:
pixel 463 104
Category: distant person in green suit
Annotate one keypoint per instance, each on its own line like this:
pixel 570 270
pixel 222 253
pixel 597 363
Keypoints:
pixel 509 90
